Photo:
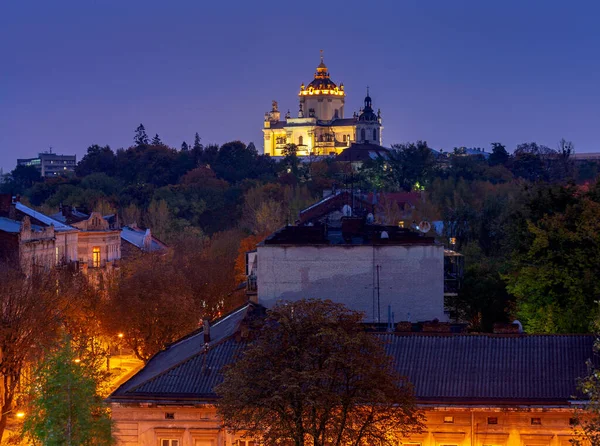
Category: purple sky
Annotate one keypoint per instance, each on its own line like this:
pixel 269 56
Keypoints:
pixel 75 73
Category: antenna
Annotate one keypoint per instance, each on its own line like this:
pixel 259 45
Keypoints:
pixel 321 55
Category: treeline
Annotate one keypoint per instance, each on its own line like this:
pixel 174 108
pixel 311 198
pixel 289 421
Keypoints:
pixel 495 208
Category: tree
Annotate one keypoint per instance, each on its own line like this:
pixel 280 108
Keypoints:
pixel 28 322
pixel 314 377
pixel 97 160
pixel 499 155
pixel 140 138
pixel 184 146
pixel 197 145
pixel 554 275
pixel 586 428
pixel 23 177
pixel 152 304
pixel 66 408
pixel 156 140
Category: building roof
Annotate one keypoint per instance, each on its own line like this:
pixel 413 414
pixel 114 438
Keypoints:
pixel 354 231
pixel 444 368
pixel 42 218
pixel 14 227
pixel 363 152
pixel 340 122
pixel 137 236
pixel 178 370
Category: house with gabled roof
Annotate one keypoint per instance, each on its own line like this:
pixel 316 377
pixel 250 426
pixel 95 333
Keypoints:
pixel 475 390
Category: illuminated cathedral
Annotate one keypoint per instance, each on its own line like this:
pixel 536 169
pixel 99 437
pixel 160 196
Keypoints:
pixel 321 127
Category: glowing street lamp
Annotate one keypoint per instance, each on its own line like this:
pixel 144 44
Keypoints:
pixel 20 414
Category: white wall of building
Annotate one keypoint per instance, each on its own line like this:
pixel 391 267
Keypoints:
pixel 411 277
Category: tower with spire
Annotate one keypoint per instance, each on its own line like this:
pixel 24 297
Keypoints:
pixel 320 127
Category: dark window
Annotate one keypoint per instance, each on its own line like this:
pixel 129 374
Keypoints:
pixel 169 415
pixel 492 420
pixel 536 421
pixel 300 141
pixel 362 135
pixel 374 134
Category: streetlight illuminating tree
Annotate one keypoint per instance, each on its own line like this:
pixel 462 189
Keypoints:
pixel 314 377
pixel 65 407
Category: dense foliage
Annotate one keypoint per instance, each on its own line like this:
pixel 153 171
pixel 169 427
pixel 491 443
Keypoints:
pixel 525 219
pixel 313 377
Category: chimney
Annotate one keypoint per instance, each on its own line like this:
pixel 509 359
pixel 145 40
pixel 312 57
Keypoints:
pixel 206 330
pixel 147 240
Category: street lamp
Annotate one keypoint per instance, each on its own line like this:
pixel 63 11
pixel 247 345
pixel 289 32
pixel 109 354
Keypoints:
pixel 120 336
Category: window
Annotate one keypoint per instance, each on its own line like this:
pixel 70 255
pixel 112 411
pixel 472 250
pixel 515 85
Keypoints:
pixel 362 135
pixel 96 257
pixel 536 421
pixel 300 140
pixel 169 442
pixel 492 420
pixel 169 415
pixel 374 134
pixel 344 138
pixel 448 419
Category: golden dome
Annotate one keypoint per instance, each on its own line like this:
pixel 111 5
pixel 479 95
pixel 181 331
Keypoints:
pixel 322 84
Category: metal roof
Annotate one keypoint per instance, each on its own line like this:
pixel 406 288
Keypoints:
pixel 444 368
pixel 58 226
pixel 136 238
pixel 13 226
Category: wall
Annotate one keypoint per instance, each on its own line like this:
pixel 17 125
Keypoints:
pixel 411 278
pixel 199 426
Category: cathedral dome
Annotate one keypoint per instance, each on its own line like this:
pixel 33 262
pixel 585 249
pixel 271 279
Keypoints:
pixel 322 84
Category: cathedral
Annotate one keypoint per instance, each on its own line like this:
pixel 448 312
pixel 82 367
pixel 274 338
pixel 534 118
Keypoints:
pixel 320 127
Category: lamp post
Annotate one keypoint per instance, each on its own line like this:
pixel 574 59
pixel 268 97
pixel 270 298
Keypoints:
pixel 120 336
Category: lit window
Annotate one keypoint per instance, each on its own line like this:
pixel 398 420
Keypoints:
pixel 492 420
pixel 453 240
pixel 536 421
pixel 96 257
pixel 169 442
pixel 449 420
pixel 401 224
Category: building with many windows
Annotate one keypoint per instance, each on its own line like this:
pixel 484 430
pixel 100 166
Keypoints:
pixel 321 127
pixel 51 164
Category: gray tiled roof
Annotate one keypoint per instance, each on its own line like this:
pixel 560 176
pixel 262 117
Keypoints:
pixel 499 369
pixel 58 226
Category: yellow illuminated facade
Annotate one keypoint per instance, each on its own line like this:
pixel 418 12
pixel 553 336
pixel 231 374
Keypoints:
pixel 320 127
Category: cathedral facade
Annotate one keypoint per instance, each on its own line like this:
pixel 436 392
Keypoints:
pixel 321 127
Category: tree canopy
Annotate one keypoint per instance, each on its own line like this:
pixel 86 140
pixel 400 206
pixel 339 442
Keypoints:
pixel 313 376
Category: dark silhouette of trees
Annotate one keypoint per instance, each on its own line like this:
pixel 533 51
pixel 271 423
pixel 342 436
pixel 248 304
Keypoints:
pixel 141 138
pixel 499 155
pixel 97 160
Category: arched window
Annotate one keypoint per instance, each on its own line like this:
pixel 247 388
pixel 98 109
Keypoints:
pixel 362 135
pixel 336 114
pixel 374 134
pixel 320 138
pixel 344 138
pixel 300 140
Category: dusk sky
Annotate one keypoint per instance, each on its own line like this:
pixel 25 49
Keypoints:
pixel 453 73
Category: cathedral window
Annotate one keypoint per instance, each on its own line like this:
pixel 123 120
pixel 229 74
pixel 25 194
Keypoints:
pixel 374 134
pixel 363 136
